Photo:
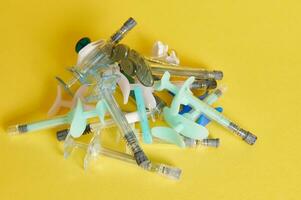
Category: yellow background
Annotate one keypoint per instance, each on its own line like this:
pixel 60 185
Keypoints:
pixel 255 43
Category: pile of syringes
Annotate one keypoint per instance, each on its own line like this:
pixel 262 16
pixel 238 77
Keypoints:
pixel 106 66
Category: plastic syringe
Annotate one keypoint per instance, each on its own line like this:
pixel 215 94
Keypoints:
pixel 161 169
pixel 185 71
pixel 48 123
pixel 131 117
pixel 99 57
pixel 205 108
pixel 104 90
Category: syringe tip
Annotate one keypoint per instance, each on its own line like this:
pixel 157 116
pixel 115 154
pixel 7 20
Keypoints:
pixel 64 85
pixel 16 129
pixel 211 142
pixel 247 136
pixel 170 172
pixel 250 138
pixel 189 142
pixel 127 26
pixel 218 75
pixel 62 134
pixel 12 130
pixel 130 23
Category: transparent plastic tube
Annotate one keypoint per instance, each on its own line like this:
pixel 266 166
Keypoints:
pixel 222 120
pixel 161 62
pixel 210 99
pixel 35 126
pixel 207 110
pixel 124 128
pixel 46 124
pixel 132 117
pixel 159 70
pixel 161 169
pixel 191 143
pixel 199 84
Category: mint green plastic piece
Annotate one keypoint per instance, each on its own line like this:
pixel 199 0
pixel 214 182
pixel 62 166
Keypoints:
pixel 184 126
pixel 36 126
pixel 169 135
pixel 77 118
pixel 178 122
pixel 146 132
pixel 185 96
pixel 210 99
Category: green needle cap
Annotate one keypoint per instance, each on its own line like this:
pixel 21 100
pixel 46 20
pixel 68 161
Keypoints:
pixel 82 43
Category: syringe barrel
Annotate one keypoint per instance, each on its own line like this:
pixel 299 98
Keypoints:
pixel 162 169
pixel 198 73
pixel 124 127
pixel 222 120
pixel 36 126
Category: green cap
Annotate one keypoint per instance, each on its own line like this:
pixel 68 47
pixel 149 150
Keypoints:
pixel 82 43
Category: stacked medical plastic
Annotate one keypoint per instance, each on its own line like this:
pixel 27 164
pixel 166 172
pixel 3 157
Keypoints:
pixel 105 67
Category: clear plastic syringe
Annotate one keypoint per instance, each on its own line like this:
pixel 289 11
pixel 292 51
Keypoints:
pixel 98 58
pixel 199 84
pixel 161 169
pixel 210 99
pixel 195 114
pixel 204 108
pixel 49 123
pixel 185 71
pixel 104 91
pixel 131 117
